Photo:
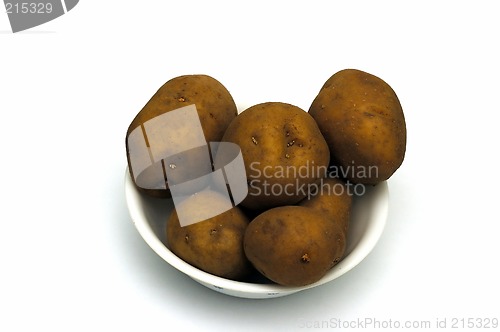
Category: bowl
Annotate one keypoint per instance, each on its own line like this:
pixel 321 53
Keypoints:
pixel 368 218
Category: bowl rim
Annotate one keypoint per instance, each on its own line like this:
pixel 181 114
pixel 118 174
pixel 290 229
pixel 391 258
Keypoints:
pixel 364 246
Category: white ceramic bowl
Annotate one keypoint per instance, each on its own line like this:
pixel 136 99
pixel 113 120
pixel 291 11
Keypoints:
pixel 368 219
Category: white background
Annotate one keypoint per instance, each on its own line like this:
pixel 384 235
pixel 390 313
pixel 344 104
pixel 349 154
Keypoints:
pixel 70 257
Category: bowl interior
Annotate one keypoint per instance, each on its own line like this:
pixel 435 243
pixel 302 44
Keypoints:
pixel 368 217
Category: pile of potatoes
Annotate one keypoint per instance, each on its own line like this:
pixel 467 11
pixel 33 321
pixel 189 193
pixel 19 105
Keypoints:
pixel 292 226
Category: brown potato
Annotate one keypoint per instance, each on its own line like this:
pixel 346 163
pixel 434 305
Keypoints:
pixel 216 109
pixel 333 199
pixel 214 245
pixel 283 152
pixel 293 245
pixel 361 118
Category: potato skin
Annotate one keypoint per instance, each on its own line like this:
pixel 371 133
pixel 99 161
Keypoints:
pixel 333 200
pixel 361 118
pixel 215 105
pixel 277 140
pixel 214 245
pixel 293 245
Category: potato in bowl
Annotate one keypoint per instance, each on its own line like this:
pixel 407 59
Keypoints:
pixel 270 244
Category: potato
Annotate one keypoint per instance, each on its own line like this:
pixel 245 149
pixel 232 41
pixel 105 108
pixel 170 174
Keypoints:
pixel 361 118
pixel 216 109
pixel 293 245
pixel 214 245
pixel 283 151
pixel 333 199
